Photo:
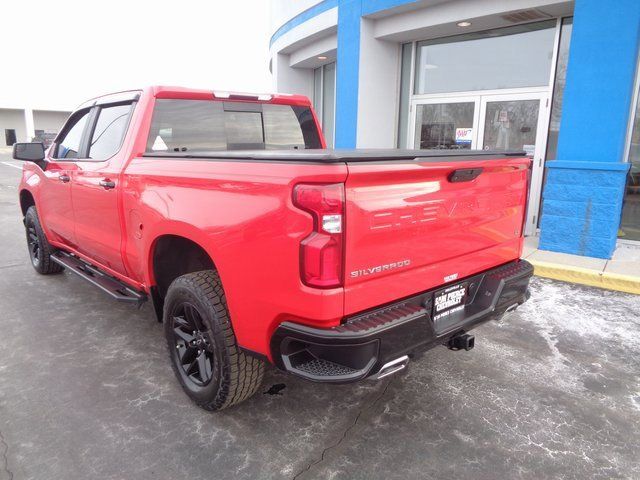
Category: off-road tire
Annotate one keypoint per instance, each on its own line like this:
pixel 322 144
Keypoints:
pixel 40 250
pixel 235 376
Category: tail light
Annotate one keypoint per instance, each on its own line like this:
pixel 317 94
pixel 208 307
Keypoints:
pixel 321 251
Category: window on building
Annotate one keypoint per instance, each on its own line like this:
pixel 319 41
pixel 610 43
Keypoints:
pixel 405 92
pixel 324 99
pixel 317 92
pixel 69 144
pixel 558 87
pixel 109 131
pixel 202 125
pixel 558 95
pixel 511 57
pixel 630 224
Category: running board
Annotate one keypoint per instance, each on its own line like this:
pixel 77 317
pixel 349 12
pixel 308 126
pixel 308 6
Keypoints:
pixel 108 284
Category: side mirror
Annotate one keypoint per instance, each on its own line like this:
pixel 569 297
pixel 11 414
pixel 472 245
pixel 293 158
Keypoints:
pixel 30 152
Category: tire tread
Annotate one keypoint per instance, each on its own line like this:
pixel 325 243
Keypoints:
pixel 46 266
pixel 241 374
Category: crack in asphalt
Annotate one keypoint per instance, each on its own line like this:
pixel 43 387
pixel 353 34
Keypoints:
pixel 345 433
pixel 5 458
pixel 11 265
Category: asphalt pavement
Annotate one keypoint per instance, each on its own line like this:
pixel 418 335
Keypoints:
pixel 86 391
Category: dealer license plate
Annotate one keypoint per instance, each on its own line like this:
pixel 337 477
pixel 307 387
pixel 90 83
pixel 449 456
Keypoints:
pixel 449 301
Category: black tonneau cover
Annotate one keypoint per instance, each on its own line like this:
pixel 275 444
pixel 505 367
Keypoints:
pixel 339 156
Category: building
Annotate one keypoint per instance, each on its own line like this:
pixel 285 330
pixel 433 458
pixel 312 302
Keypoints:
pixel 556 79
pixel 23 124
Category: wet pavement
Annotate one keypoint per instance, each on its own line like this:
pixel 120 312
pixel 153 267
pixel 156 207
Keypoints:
pixel 86 391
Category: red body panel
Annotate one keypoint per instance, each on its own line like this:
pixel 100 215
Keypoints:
pixel 242 214
pixel 97 217
pixel 410 229
pixel 56 201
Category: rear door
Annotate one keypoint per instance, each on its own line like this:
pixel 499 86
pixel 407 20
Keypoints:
pixel 55 205
pixel 95 186
pixel 412 225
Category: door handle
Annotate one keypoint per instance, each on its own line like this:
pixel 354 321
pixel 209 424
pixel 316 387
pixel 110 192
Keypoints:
pixel 64 178
pixel 107 184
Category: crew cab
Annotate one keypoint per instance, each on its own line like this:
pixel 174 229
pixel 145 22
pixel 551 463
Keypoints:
pixel 256 244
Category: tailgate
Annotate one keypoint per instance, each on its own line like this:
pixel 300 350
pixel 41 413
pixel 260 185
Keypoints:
pixel 409 227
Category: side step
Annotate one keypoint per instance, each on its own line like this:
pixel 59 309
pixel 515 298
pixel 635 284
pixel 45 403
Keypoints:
pixel 108 284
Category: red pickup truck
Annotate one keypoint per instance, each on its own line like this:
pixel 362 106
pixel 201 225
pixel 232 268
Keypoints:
pixel 255 244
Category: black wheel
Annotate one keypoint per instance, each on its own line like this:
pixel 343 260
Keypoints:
pixel 210 366
pixel 39 248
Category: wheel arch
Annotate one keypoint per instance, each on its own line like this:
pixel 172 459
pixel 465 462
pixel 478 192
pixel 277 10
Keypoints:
pixel 171 256
pixel 26 200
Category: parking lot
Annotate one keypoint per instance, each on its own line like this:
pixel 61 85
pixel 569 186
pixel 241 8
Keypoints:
pixel 87 391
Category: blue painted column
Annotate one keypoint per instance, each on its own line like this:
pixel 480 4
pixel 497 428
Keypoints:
pixel 350 14
pixel 347 70
pixel 584 189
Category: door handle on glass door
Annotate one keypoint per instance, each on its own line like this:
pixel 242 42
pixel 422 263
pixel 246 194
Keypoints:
pixel 107 184
pixel 64 178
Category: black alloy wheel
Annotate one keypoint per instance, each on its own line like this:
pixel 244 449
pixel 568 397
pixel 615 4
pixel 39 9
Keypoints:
pixel 193 344
pixel 40 250
pixel 210 365
pixel 33 242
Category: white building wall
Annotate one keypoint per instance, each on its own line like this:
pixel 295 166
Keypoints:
pixel 439 19
pixel 291 79
pixel 294 55
pixel 378 87
pixel 49 121
pixel 26 121
pixel 12 119
pixel 284 10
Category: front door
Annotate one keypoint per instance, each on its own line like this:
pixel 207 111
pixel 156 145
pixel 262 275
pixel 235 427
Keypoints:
pixel 487 122
pixel 56 210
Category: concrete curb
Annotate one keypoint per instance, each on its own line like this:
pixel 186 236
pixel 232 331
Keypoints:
pixel 587 276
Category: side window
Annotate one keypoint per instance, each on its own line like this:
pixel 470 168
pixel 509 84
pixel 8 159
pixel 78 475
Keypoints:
pixel 109 132
pixel 69 145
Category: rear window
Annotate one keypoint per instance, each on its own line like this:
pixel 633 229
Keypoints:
pixel 205 125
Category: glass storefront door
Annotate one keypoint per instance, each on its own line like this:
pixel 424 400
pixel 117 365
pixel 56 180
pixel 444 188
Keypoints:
pixel 511 125
pixel 515 122
pixel 487 122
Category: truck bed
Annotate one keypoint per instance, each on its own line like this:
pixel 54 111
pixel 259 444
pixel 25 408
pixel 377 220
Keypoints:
pixel 408 225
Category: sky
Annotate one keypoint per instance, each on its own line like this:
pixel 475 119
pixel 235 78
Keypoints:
pixel 59 53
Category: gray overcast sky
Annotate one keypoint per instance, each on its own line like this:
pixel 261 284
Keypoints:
pixel 59 53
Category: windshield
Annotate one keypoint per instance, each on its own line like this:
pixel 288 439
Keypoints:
pixel 206 125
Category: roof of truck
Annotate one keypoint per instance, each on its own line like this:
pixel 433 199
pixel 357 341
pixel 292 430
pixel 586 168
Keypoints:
pixel 199 94
pixel 163 91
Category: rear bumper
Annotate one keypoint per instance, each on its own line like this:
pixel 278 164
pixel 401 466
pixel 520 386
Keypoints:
pixel 364 343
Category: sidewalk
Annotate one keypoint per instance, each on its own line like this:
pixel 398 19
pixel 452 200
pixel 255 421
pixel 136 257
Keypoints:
pixel 621 273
